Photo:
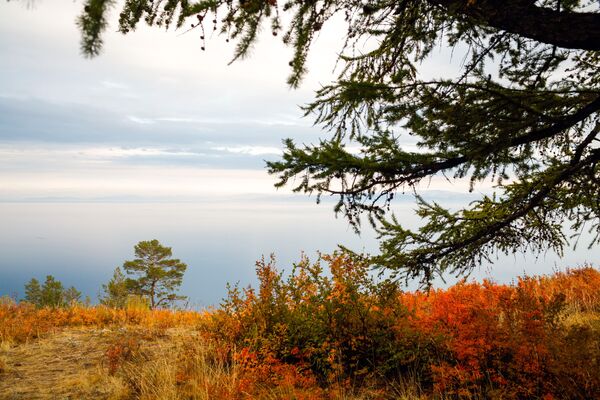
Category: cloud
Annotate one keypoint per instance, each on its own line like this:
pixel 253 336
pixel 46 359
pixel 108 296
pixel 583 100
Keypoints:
pixel 250 150
pixel 87 153
pixel 271 121
pixel 113 85
pixel 37 120
pixel 141 182
pixel 141 121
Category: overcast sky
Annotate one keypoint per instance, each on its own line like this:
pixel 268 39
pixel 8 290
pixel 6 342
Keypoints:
pixel 70 126
pixel 158 139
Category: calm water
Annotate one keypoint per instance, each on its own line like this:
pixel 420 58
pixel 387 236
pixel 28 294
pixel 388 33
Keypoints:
pixel 81 243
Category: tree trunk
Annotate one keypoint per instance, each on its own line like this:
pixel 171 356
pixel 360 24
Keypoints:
pixel 570 30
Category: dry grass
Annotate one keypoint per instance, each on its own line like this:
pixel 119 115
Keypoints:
pixel 72 364
pixel 168 364
pixel 67 364
pixel 172 364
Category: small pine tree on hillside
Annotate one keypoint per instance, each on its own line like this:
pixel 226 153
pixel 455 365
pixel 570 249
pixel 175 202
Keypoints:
pixel 115 292
pixel 157 275
pixel 52 292
pixel 33 292
pixel 71 296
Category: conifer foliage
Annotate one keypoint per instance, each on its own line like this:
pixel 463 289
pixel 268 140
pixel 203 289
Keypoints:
pixel 156 276
pixel 523 112
pixel 115 291
pixel 51 294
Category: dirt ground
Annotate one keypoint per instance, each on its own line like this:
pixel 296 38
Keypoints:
pixel 59 366
pixel 68 364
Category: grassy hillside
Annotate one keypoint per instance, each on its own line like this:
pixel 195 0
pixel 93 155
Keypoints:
pixel 315 334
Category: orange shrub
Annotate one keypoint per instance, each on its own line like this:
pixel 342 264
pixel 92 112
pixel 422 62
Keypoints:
pixel 482 340
pixel 119 352
pixel 23 321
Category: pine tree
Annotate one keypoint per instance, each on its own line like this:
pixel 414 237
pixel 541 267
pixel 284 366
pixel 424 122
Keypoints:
pixel 157 276
pixel 52 293
pixel 33 292
pixel 115 292
pixel 71 296
pixel 523 112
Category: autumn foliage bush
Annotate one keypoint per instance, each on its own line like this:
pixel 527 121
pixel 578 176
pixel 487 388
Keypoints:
pixel 20 322
pixel 340 327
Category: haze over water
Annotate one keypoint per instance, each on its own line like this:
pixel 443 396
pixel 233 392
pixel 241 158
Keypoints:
pixel 82 242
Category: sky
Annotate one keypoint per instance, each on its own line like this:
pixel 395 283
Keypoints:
pixel 156 138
